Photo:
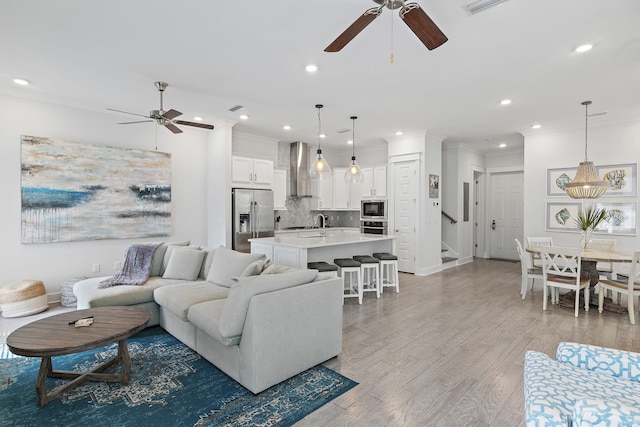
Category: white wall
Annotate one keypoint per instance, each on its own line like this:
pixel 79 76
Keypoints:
pixel 608 144
pixel 55 263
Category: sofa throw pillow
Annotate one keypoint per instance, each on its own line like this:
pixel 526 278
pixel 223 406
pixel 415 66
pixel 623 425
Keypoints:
pixel 184 264
pixel 227 264
pixel 274 268
pixel 254 268
pixel 234 311
pixel 158 256
pixel 206 264
pixel 167 255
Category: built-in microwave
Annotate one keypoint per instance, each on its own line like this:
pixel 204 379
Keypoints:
pixel 373 209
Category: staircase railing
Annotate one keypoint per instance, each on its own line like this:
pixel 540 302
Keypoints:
pixel 449 217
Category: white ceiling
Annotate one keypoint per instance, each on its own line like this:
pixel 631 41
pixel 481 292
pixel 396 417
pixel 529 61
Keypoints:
pixel 215 55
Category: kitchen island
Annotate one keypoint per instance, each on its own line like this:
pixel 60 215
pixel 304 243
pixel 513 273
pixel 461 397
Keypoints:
pixel 298 249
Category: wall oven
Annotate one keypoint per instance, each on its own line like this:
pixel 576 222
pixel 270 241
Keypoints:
pixel 373 209
pixel 373 227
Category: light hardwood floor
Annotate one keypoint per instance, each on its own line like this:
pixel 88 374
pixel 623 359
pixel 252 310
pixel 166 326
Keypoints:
pixel 448 350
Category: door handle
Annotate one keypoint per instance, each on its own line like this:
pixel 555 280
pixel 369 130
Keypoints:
pixel 493 224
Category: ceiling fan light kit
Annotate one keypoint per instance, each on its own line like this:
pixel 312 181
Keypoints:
pixel 162 117
pixel 411 14
pixel 586 184
pixel 320 168
pixel 482 5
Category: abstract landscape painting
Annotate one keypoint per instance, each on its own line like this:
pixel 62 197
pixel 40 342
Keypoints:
pixel 74 191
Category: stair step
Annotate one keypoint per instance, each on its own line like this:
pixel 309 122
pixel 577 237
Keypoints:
pixel 448 259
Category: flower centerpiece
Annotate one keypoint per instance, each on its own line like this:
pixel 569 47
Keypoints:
pixel 587 221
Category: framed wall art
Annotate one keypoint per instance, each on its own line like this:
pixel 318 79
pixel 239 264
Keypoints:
pixel 622 179
pixel 560 216
pixel 434 186
pixel 622 219
pixel 74 191
pixel 557 179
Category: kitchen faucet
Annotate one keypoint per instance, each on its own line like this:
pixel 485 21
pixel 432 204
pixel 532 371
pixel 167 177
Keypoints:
pixel 315 221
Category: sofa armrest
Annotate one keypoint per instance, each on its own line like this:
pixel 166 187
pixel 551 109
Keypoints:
pixel 600 413
pixel 618 363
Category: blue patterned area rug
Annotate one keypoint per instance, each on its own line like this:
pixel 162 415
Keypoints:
pixel 170 385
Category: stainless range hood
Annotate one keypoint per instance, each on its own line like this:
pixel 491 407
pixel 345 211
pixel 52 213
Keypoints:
pixel 299 170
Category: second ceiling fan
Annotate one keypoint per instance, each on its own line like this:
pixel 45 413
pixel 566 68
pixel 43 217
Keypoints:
pixel 411 14
pixel 162 117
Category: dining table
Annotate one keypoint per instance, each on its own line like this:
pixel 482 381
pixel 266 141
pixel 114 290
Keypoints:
pixel 589 260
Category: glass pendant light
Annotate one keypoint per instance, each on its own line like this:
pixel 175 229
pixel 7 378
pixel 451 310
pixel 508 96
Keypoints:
pixel 353 173
pixel 320 168
pixel 586 184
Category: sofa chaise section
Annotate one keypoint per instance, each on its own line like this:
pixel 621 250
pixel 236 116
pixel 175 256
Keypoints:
pixel 289 324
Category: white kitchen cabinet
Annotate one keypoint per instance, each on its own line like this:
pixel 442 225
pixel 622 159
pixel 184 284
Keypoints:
pixel 280 189
pixel 375 182
pixel 345 196
pixel 322 192
pixel 251 173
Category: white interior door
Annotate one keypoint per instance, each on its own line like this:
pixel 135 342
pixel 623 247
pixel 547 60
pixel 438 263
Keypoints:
pixel 405 206
pixel 507 203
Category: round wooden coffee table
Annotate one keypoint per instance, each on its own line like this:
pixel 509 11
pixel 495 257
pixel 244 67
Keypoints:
pixel 57 335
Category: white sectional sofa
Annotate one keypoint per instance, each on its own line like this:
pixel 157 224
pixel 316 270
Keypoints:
pixel 260 323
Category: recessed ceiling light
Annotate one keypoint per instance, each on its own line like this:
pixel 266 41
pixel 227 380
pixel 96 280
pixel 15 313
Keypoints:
pixel 584 48
pixel 21 82
pixel 311 68
pixel 505 102
pixel 322 135
pixel 243 117
pixel 197 118
pixel 502 145
pixel 536 126
pixel 399 132
pixel 286 127
pixel 350 141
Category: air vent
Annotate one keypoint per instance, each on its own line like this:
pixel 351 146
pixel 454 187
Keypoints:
pixel 345 130
pixel 236 108
pixel 482 5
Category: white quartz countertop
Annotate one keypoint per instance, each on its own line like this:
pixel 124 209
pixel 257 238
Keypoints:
pixel 315 240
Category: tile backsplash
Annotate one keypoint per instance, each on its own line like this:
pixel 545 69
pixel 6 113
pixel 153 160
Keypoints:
pixel 299 214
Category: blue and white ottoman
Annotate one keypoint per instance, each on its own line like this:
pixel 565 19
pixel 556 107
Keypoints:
pixel 23 298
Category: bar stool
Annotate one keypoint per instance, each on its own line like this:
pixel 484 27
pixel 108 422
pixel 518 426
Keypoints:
pixel 350 267
pixel 370 267
pixel 325 270
pixel 388 270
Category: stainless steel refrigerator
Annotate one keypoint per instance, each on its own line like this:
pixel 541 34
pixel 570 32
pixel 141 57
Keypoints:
pixel 252 212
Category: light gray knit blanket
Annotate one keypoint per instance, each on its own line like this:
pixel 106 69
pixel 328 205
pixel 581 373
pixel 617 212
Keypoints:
pixel 136 267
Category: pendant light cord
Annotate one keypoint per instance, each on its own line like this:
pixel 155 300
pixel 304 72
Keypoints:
pixel 319 106
pixel 353 135
pixel 586 127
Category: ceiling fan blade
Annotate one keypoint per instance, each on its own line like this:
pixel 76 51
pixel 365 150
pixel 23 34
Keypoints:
pixel 354 29
pixel 171 114
pixel 196 124
pixel 126 112
pixel 138 121
pixel 423 27
pixel 173 128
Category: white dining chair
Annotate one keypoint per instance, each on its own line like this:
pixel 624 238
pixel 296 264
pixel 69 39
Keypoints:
pixel 604 268
pixel 561 269
pixel 629 287
pixel 538 241
pixel 529 273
